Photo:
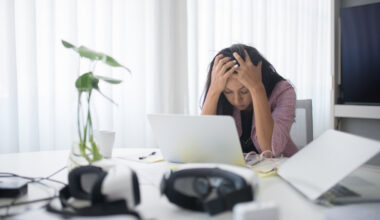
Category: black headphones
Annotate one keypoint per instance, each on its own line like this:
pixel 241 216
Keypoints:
pixel 91 183
pixel 213 190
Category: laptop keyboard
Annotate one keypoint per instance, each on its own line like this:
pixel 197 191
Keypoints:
pixel 340 191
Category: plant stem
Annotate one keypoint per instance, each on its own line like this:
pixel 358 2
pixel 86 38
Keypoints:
pixel 82 147
pixel 87 128
pixel 87 125
pixel 79 116
pixel 88 116
pixel 95 151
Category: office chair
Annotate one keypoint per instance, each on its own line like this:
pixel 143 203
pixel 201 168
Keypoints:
pixel 302 128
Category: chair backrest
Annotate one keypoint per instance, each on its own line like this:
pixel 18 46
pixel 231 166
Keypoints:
pixel 302 128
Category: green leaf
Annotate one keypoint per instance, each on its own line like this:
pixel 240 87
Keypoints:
pixel 112 62
pixel 93 55
pixel 67 44
pixel 90 54
pixel 108 79
pixel 86 82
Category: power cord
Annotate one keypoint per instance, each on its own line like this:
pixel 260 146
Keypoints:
pixel 30 180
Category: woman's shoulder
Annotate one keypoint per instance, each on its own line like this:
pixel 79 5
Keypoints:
pixel 283 84
pixel 283 89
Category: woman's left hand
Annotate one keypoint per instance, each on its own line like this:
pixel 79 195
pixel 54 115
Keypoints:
pixel 247 73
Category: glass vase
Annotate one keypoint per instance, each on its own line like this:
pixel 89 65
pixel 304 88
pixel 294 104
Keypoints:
pixel 75 157
pixel 85 151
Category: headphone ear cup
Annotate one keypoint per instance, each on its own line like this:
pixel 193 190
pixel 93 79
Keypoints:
pixel 136 188
pixel 96 191
pixel 225 188
pixel 76 186
pixel 163 184
pixel 202 186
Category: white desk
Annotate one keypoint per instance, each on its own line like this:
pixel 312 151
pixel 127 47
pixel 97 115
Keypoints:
pixel 154 206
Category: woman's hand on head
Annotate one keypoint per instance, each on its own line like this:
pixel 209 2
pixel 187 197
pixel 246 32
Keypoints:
pixel 247 73
pixel 219 74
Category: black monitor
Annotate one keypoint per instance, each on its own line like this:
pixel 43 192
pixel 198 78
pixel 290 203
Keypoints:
pixel 360 54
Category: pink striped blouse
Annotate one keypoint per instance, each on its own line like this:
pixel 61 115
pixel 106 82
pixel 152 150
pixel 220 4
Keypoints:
pixel 282 104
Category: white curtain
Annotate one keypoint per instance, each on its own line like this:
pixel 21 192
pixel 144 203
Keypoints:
pixel 166 43
pixel 38 97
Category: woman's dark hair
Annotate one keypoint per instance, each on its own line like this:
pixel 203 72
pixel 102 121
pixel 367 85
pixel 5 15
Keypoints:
pixel 269 75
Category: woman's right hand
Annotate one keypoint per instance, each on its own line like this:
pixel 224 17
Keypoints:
pixel 219 74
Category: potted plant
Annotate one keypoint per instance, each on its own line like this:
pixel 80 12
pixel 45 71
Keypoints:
pixel 86 84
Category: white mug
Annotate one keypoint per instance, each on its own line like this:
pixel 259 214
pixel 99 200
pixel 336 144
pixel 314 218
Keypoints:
pixel 104 140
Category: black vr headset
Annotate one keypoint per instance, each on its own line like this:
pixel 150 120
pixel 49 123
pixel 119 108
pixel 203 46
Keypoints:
pixel 211 188
pixel 111 189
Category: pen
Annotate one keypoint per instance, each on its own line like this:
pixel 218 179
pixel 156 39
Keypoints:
pixel 144 157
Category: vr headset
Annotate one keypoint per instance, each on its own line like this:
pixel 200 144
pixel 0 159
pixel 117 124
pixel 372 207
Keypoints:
pixel 212 188
pixel 109 188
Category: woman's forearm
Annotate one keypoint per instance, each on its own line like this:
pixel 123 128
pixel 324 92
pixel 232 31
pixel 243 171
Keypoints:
pixel 263 117
pixel 211 102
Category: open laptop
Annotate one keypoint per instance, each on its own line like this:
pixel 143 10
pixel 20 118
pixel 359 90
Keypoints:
pixel 207 139
pixel 329 169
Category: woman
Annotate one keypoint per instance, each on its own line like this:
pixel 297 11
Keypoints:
pixel 243 84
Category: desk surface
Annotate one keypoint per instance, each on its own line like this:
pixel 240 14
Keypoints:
pixel 292 205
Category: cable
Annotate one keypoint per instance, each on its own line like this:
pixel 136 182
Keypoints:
pixel 30 202
pixel 56 172
pixel 31 180
pixel 36 179
pixel 13 203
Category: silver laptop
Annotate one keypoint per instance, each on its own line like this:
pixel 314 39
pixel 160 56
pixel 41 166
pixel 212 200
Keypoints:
pixel 331 169
pixel 185 138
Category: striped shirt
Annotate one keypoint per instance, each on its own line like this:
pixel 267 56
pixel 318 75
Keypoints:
pixel 282 104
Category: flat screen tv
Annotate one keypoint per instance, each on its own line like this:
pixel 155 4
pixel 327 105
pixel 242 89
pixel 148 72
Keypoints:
pixel 360 54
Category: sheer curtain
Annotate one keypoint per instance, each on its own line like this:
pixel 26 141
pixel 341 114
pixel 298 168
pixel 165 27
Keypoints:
pixel 166 43
pixel 37 93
